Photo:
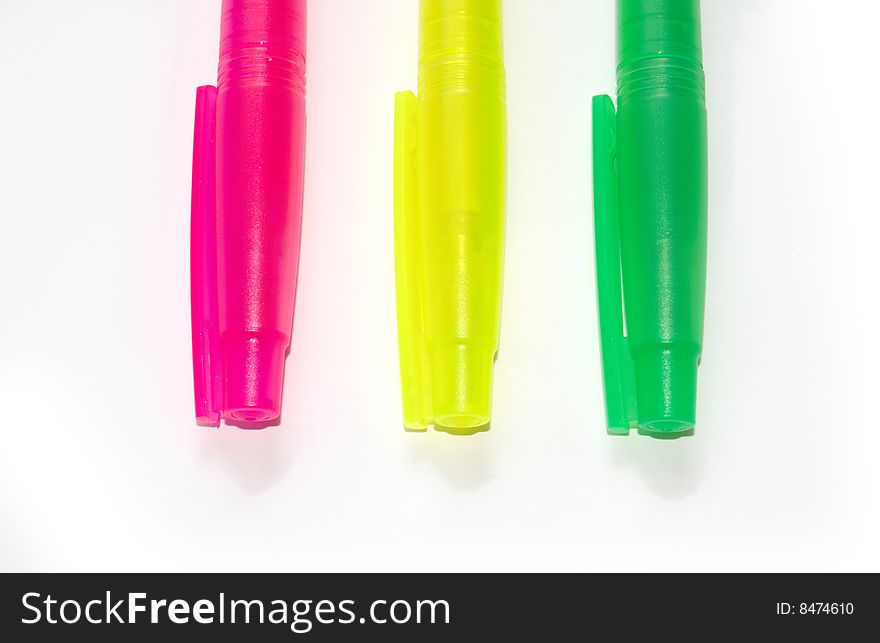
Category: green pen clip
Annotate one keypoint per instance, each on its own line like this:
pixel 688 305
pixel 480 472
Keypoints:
pixel 620 388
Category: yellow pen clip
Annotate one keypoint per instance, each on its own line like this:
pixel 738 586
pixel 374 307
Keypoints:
pixel 449 197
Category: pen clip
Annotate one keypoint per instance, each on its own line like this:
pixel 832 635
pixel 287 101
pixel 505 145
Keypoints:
pixel 618 368
pixel 207 359
pixel 414 371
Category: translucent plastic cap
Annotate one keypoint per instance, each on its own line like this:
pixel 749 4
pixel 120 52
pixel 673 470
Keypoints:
pixel 450 156
pixel 248 162
pixel 650 189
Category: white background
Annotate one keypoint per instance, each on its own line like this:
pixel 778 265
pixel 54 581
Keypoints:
pixel 102 468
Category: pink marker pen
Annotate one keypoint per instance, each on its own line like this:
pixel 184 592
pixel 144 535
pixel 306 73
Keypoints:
pixel 248 162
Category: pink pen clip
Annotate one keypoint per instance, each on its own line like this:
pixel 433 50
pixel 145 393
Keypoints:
pixel 248 159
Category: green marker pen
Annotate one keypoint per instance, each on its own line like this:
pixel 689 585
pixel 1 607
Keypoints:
pixel 650 185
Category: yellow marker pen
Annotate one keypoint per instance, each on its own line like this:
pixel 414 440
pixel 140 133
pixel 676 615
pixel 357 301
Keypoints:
pixel 449 194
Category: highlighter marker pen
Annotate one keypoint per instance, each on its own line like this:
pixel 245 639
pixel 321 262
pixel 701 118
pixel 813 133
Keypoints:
pixel 650 179
pixel 246 211
pixel 450 167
